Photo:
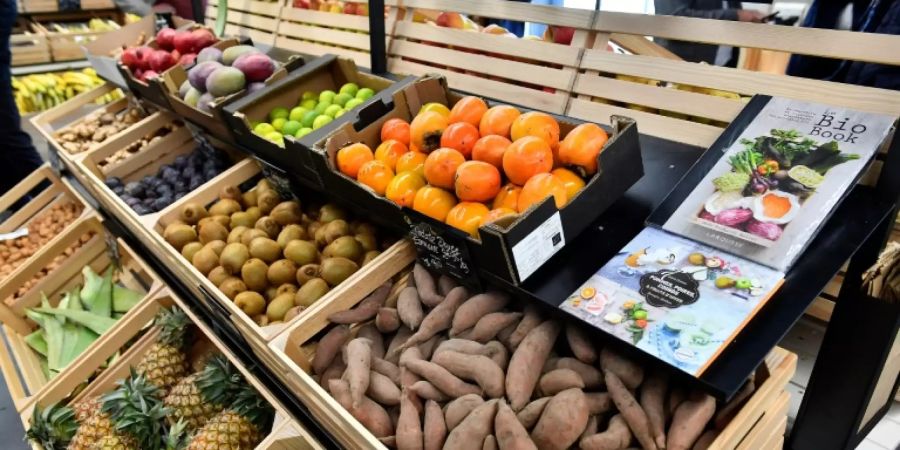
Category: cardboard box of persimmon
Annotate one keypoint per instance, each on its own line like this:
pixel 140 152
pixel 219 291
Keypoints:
pixel 479 185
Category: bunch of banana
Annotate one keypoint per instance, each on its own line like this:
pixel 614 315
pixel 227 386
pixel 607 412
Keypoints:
pixel 39 92
pixel 97 24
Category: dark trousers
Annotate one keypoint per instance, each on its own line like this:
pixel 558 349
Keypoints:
pixel 18 157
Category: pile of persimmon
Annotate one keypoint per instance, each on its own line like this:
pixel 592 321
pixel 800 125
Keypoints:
pixel 472 165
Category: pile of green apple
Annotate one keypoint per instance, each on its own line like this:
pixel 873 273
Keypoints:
pixel 314 111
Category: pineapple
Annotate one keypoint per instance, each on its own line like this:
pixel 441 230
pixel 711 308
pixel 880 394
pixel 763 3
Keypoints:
pixel 91 430
pixel 239 427
pixel 52 427
pixel 87 408
pixel 165 363
pixel 136 412
pixel 202 395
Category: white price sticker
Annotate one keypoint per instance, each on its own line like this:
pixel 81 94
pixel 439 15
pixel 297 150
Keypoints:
pixel 542 243
pixel 21 232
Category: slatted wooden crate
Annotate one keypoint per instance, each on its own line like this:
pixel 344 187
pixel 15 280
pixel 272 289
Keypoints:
pixel 28 46
pixel 255 19
pixel 38 6
pixel 67 46
pixel 23 373
pixel 97 4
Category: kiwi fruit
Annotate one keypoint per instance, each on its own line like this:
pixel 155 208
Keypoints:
pixel 269 226
pixel 293 312
pixel 287 287
pixel 232 286
pixel 235 234
pixel 225 207
pixel 205 260
pixel 217 275
pixel 335 229
pixel 249 198
pixel 252 234
pixel 290 233
pixel 231 192
pixel 311 291
pixel 189 249
pixel 330 212
pixel 306 273
pixel 370 256
pixel 263 185
pixel 301 252
pixel 178 235
pixel 344 246
pixel 337 269
pixel 367 241
pixel 267 200
pixel 271 292
pixel 363 228
pixel 192 213
pixel 265 249
pixel 217 246
pixel 281 272
pixel 233 257
pixel 242 219
pixel 313 227
pixel 253 272
pixel 279 306
pixel 254 212
pixel 286 213
pixel 320 237
pixel 252 303
pixel 261 319
pixel 212 231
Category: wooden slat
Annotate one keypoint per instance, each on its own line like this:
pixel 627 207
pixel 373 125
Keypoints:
pixel 499 9
pixel 257 7
pixel 869 47
pixel 640 45
pixel 10 375
pixel 361 59
pixel 768 426
pixel 346 21
pixel 327 35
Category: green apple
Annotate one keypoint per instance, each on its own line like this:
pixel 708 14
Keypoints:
pixel 321 107
pixel 303 132
pixel 308 119
pixel 309 95
pixel 263 129
pixel 275 137
pixel 297 113
pixel 309 103
pixel 321 121
pixel 365 94
pixel 352 103
pixel 340 113
pixel 290 127
pixel 342 98
pixel 278 123
pixel 279 112
pixel 350 89
pixel 327 96
pixel 254 123
pixel 332 110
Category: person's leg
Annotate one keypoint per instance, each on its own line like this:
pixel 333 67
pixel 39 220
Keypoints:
pixel 18 157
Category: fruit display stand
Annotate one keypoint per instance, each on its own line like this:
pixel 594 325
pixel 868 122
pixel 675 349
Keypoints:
pixel 67 45
pixel 23 371
pixel 38 6
pixel 27 46
pixel 257 20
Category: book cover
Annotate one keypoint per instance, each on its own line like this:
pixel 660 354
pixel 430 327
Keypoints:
pixel 771 189
pixel 676 299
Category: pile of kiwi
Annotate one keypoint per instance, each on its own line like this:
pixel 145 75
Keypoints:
pixel 269 255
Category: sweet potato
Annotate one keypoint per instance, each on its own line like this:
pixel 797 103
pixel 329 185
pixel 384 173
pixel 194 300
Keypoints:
pixel 368 331
pixel 393 354
pixel 333 372
pixel 439 318
pixel 498 353
pixel 653 398
pixel 441 378
pixel 458 409
pixel 511 435
pixel 425 284
pixel 474 428
pixel 530 320
pixel 490 443
pixel 427 347
pixel 389 441
pixel 550 363
pixel 504 334
pixel 446 284
pixel 726 413
pixel 526 363
pixel 632 412
pixel 706 439
pixel 435 429
pixel 477 368
pixel 562 421
pixel 598 402
pixel 530 414
pixel 358 357
pixel 676 395
pixel 617 436
pixel 488 326
pixel 580 344
pixel 409 308
pixel 470 312
pixel 366 309
pixel 387 320
pixel 328 347
pixel 370 414
pixel 383 390
pixel 556 381
pixel 462 346
pixel 593 378
pixel 690 420
pixel 592 427
pixel 630 373
pixel 427 391
pixel 409 427
pixel 387 369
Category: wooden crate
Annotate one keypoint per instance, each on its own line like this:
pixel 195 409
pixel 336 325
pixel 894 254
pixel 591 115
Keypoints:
pixel 63 389
pixel 29 379
pixel 67 46
pixel 28 48
pixel 97 4
pixel 38 6
pixel 255 19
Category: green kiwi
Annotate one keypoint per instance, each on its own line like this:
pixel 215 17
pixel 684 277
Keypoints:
pixel 301 252
pixel 241 219
pixel 287 287
pixel 253 272
pixel 263 185
pixel 270 293
pixel 235 234
pixel 370 256
pixel 279 306
pixel 306 273
pixel 252 234
pixel 225 207
pixel 311 291
pixel 330 212
pixel 320 237
pixel 249 199
pixel 367 241
pixel 254 212
pixel 189 249
pixel 312 227
pixel 265 249
pixel 344 246
pixel 290 233
pixel 230 192
pixel 261 319
pixel 217 275
pixel 252 303
pixel 233 257
pixel 267 200
pixel 269 226
pixel 337 269
pixel 281 272
pixel 232 286
pixel 217 246
pixel 212 231
pixel 205 260
pixel 335 229
pixel 179 234
pixel 293 312
pixel 286 213
pixel 363 228
pixel 192 213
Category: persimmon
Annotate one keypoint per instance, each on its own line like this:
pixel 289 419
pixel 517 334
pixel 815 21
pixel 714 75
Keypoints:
pixel 468 109
pixel 441 165
pixel 439 108
pixel 426 130
pixel 525 158
pixel 460 136
pixel 570 180
pixel 581 147
pixel 477 181
pixel 490 149
pixel 396 129
pixel 467 216
pixel 414 161
pixel 498 120
pixel 389 152
pixel 537 124
pixel 497 214
pixel 352 157
pixel 376 175
pixel 508 197
pixel 434 202
pixel 403 187
pixel 540 187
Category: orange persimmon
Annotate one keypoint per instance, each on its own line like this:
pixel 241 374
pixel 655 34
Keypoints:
pixel 581 147
pixel 441 165
pixel 352 157
pixel 403 187
pixel 497 214
pixel 460 136
pixel 396 129
pixel 508 197
pixel 570 180
pixel 414 161
pixel 525 158
pixel 376 175
pixel 537 124
pixel 498 120
pixel 389 152
pixel 490 149
pixel 425 131
pixel 468 109
pixel 540 187
pixel 434 202
pixel 476 181
pixel 467 216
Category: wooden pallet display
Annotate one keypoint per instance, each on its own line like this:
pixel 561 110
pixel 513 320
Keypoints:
pixel 258 20
pixel 27 46
pixel 67 46
pixel 531 73
pixel 64 387
pixel 29 379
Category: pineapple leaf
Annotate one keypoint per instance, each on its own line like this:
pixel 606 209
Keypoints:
pixel 136 411
pixel 173 327
pixel 219 380
pixel 253 407
pixel 52 427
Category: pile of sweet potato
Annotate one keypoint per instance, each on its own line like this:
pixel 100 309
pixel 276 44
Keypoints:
pixel 431 366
